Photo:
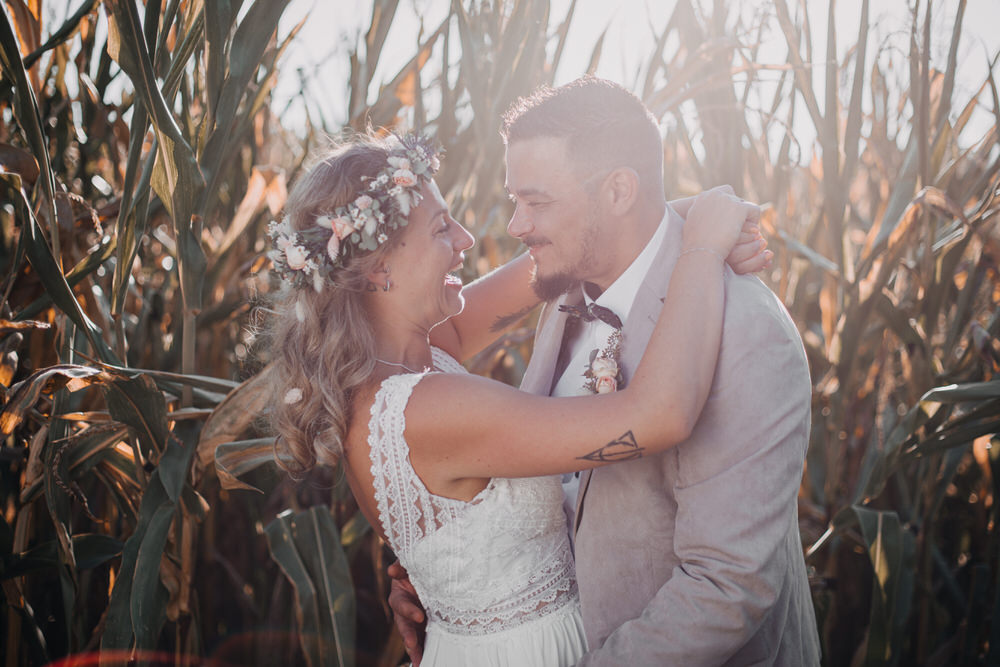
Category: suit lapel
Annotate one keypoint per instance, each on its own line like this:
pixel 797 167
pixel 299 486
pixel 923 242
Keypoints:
pixel 538 377
pixel 642 318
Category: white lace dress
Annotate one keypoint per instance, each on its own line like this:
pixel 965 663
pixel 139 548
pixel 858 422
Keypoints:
pixel 495 574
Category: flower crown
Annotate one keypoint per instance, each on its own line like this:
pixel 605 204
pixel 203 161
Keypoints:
pixel 308 256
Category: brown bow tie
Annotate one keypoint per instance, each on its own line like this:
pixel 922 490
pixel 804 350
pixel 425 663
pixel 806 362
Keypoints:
pixel 593 312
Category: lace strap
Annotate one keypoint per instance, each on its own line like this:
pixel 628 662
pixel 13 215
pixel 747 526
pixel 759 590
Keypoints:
pixel 398 494
pixel 445 362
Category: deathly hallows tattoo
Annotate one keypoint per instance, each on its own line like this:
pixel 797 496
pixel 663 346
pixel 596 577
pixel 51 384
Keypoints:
pixel 622 449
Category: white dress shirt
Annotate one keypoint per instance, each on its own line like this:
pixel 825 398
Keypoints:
pixel 619 298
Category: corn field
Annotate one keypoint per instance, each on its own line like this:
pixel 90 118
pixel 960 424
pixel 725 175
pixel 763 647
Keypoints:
pixel 142 154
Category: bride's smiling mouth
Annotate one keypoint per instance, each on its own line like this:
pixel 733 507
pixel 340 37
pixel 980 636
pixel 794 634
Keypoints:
pixel 452 279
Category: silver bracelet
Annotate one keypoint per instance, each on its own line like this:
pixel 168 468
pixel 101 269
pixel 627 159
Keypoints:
pixel 701 249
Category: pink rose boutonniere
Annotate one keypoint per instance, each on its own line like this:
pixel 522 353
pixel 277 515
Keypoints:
pixel 604 374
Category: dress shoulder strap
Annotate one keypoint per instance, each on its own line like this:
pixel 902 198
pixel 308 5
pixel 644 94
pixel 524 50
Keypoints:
pixel 445 362
pixel 400 495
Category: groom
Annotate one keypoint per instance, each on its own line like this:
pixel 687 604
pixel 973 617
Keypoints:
pixel 691 557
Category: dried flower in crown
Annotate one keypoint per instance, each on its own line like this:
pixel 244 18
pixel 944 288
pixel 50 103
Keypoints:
pixel 305 258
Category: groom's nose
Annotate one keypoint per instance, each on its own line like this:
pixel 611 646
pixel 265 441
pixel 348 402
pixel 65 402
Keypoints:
pixel 519 224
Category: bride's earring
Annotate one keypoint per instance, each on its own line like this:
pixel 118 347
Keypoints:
pixel 388 282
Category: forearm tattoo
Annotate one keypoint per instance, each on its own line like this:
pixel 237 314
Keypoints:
pixel 622 449
pixel 504 321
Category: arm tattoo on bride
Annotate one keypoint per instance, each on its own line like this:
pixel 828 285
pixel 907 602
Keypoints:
pixel 624 448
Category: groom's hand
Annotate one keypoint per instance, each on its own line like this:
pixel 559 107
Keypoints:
pixel 407 612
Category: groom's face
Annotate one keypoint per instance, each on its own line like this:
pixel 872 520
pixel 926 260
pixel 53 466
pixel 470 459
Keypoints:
pixel 554 214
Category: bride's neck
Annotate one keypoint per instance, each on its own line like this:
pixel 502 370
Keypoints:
pixel 402 343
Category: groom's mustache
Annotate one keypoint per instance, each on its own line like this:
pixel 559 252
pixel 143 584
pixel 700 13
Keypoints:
pixel 531 241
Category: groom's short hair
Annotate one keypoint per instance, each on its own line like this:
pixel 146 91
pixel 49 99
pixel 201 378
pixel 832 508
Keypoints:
pixel 605 126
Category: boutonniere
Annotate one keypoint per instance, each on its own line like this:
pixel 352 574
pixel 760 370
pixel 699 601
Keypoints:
pixel 604 374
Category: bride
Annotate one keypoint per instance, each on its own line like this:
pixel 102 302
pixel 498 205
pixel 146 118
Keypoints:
pixel 459 473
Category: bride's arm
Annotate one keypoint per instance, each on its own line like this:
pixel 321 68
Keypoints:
pixel 493 303
pixel 461 427
pixel 503 297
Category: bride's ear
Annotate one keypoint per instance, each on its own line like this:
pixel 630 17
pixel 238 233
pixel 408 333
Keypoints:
pixel 621 190
pixel 378 279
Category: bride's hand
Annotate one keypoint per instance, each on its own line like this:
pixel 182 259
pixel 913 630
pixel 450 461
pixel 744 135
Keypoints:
pixel 716 220
pixel 750 254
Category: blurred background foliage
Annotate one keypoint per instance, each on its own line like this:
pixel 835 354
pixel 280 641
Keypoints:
pixel 142 154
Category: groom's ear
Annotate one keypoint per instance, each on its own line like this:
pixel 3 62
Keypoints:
pixel 621 190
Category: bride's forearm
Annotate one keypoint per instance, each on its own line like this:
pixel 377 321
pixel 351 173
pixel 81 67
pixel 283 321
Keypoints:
pixel 493 303
pixel 677 368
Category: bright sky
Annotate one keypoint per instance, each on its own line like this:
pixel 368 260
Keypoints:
pixel 332 28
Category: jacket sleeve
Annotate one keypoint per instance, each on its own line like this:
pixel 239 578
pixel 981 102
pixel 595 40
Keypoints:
pixel 736 532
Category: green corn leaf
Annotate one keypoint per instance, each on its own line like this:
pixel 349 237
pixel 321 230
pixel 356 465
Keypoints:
pixel 131 220
pixel 44 263
pixel 149 596
pixel 883 537
pixel 118 631
pixel 26 112
pixel 308 550
pixel 84 268
pixel 137 402
pixel 233 459
pixel 90 549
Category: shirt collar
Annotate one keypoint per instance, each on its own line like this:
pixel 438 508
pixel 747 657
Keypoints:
pixel 620 295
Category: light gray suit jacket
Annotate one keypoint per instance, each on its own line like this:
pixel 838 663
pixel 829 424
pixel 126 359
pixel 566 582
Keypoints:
pixel 693 556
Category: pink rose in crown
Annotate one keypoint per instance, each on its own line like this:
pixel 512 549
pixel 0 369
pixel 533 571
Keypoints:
pixel 295 256
pixel 363 202
pixel 404 177
pixel 342 227
pixel 605 385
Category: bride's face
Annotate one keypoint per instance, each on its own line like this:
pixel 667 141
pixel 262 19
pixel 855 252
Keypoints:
pixel 422 266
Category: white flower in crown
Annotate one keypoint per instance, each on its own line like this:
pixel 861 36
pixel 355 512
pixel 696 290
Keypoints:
pixel 305 257
pixel 295 257
pixel 333 247
pixel 400 162
pixel 370 222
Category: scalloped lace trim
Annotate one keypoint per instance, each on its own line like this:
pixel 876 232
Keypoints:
pixel 539 582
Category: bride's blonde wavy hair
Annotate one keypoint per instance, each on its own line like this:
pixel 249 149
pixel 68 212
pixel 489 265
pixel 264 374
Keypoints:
pixel 322 343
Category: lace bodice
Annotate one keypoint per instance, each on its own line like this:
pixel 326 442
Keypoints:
pixel 479 566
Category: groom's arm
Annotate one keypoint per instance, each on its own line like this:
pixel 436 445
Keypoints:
pixel 736 500
pixel 408 614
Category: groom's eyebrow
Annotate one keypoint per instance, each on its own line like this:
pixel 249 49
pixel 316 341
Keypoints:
pixel 528 192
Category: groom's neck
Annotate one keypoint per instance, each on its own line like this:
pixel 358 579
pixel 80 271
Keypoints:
pixel 632 234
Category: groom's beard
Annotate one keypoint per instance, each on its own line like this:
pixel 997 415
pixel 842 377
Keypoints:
pixel 548 288
pixel 552 287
